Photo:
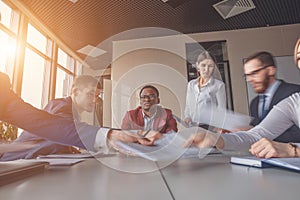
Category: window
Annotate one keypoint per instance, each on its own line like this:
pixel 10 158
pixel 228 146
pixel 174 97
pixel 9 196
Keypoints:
pixel 37 59
pixel 7 53
pixel 64 83
pixel 34 78
pixel 65 60
pixel 36 39
pixel 8 28
pixel 6 13
pixel 65 73
pixel 78 68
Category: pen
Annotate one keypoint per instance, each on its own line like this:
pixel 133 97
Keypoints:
pixel 146 133
pixel 117 129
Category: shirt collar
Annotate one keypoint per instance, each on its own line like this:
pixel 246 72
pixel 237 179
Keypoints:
pixel 209 82
pixel 272 89
pixel 145 116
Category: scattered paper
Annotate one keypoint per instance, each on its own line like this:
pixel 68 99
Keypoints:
pixel 225 119
pixel 169 147
pixel 80 155
pixel 57 161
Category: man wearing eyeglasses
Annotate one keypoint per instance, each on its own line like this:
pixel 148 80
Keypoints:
pixel 149 115
pixel 260 72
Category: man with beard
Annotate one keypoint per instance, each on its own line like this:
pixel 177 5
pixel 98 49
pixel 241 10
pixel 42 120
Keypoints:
pixel 260 71
pixel 149 116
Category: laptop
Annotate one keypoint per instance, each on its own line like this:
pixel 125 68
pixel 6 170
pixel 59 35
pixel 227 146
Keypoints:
pixel 12 171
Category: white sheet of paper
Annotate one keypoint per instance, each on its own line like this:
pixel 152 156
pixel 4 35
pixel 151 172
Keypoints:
pixel 225 119
pixel 57 161
pixel 81 155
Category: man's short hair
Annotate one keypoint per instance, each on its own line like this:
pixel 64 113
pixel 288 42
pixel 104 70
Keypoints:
pixel 84 81
pixel 150 86
pixel 264 57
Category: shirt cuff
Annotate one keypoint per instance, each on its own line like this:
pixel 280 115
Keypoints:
pixel 101 140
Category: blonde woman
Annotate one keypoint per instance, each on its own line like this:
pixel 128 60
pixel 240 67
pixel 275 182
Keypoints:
pixel 205 92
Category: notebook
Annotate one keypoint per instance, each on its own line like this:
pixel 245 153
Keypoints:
pixel 18 169
pixel 287 163
pixel 250 161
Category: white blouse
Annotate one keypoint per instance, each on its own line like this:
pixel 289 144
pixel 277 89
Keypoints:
pixel 212 94
pixel 285 114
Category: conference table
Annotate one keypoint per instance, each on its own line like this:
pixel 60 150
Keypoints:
pixel 126 177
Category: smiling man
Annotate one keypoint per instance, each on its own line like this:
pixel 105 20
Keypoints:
pixel 149 115
pixel 260 72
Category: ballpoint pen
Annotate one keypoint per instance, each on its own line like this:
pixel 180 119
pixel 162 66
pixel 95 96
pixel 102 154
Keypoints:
pixel 146 133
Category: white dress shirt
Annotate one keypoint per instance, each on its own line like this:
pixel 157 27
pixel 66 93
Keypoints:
pixel 101 140
pixel 212 94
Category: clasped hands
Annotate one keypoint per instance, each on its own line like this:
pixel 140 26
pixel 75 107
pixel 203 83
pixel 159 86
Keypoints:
pixel 134 137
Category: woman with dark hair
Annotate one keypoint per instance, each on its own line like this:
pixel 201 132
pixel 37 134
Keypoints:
pixel 205 92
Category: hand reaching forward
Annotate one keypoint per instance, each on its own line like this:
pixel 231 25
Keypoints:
pixel 205 139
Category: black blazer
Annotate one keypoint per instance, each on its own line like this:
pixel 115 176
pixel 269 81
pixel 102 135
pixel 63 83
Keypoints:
pixel 283 91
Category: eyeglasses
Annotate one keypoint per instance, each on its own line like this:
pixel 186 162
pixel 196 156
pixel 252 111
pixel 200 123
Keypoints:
pixel 151 97
pixel 255 72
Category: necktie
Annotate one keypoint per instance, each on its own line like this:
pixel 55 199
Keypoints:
pixel 263 107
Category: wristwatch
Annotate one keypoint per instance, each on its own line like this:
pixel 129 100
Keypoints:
pixel 295 146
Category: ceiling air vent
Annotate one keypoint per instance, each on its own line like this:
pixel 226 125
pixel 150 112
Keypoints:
pixel 229 8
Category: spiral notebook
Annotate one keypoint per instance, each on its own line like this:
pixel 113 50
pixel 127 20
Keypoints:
pixel 287 163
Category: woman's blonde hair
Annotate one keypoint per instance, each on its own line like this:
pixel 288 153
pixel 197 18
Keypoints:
pixel 206 55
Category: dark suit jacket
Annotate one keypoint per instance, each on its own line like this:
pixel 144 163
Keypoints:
pixel 52 127
pixel 283 91
pixel 163 122
pixel 60 107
